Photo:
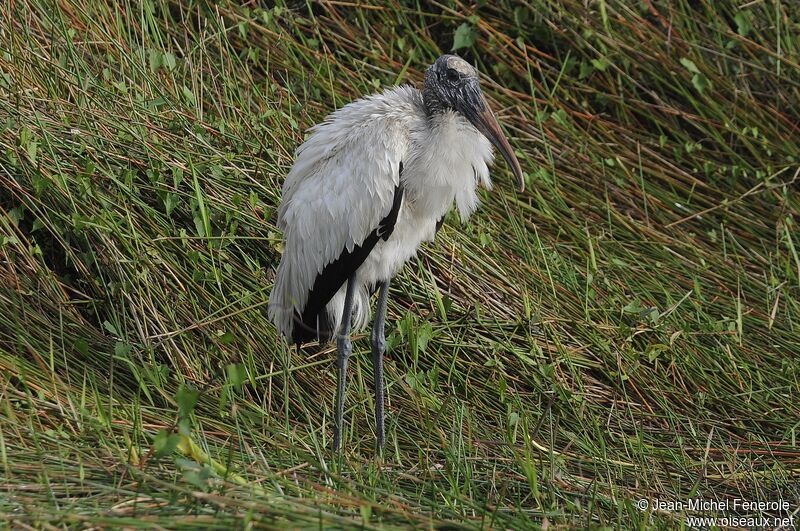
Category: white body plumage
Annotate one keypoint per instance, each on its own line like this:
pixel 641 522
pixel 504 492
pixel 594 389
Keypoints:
pixel 342 185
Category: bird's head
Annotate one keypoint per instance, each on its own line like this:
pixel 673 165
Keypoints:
pixel 451 83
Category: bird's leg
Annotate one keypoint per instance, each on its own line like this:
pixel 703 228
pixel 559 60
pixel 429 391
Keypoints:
pixel 378 348
pixel 343 349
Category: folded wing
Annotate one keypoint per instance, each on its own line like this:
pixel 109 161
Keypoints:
pixel 341 196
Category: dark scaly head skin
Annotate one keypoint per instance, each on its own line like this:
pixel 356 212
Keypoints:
pixel 451 83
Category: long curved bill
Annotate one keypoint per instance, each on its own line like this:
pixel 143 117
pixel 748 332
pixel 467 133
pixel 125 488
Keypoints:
pixel 485 122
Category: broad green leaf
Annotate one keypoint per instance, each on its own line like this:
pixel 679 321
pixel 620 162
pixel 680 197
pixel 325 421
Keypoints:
pixel 165 443
pixel 689 65
pixel 700 82
pixel 236 374
pixel 186 398
pixel 743 25
pixel 464 37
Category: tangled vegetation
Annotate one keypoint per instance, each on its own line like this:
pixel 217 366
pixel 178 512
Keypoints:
pixel 625 329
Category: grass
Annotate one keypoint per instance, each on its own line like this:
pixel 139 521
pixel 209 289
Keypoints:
pixel 627 328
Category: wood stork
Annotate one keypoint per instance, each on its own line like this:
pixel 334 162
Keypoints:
pixel 371 183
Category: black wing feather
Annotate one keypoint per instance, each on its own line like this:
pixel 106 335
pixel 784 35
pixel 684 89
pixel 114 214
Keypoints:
pixel 439 224
pixel 313 323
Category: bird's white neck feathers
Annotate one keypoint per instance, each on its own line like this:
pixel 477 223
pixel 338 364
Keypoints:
pixel 447 159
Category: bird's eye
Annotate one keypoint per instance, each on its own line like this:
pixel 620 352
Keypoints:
pixel 452 75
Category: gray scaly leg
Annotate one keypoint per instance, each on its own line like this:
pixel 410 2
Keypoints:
pixel 343 349
pixel 378 348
